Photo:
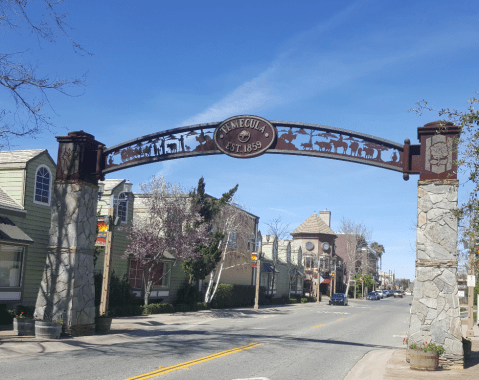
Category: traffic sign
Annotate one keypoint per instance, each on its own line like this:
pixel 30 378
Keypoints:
pixel 253 265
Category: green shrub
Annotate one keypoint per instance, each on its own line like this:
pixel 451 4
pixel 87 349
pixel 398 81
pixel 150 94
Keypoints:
pixel 304 300
pixel 120 291
pixel 187 294
pixel 182 307
pixel 158 308
pixel 202 306
pixel 229 295
pixel 125 311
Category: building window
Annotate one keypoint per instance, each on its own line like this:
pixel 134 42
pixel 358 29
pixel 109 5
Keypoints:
pixel 11 260
pixel 233 240
pixel 122 207
pixel 161 275
pixel 43 182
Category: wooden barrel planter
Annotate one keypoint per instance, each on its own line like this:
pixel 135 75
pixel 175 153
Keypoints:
pixel 24 327
pixel 48 330
pixel 103 325
pixel 423 361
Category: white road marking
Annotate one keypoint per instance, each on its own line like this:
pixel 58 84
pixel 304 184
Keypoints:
pixel 333 312
pixel 254 378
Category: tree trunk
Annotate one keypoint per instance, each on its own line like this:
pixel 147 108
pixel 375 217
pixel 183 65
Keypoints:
pixel 347 286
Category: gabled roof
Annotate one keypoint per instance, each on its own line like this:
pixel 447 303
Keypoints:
pixel 11 157
pixel 11 233
pixel 110 184
pixel 313 225
pixel 7 202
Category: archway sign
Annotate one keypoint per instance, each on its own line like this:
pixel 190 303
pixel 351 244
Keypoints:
pixel 67 285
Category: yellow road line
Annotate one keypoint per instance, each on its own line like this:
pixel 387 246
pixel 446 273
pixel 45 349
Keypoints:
pixel 339 319
pixel 354 315
pixel 317 326
pixel 175 367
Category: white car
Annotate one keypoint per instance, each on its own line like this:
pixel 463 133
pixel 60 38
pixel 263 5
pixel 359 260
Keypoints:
pixel 408 293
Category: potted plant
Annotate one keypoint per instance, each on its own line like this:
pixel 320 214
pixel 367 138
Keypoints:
pixel 23 326
pixel 467 346
pixel 425 357
pixel 103 324
pixel 48 328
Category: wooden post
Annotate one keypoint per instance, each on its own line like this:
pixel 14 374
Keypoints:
pixel 354 289
pixel 105 287
pixel 258 278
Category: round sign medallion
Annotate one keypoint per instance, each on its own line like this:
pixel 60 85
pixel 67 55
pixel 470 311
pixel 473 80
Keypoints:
pixel 245 136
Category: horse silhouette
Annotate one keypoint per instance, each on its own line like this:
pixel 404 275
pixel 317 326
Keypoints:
pixel 339 144
pixel 289 137
pixel 172 147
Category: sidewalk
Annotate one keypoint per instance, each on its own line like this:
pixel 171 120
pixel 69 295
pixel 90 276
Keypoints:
pixel 391 364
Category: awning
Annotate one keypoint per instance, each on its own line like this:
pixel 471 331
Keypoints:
pixel 326 281
pixel 268 268
pixel 11 233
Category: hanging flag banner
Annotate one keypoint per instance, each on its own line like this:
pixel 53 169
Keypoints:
pixel 101 237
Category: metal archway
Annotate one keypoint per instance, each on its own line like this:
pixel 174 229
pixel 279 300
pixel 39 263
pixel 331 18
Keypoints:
pixel 295 138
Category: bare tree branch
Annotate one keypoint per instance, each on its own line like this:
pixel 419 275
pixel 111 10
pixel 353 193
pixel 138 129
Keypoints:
pixel 28 89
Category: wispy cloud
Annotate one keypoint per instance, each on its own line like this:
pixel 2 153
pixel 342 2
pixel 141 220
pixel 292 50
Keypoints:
pixel 308 66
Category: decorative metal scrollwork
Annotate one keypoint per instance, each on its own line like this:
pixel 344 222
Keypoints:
pixel 293 138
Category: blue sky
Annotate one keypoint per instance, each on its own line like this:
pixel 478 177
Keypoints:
pixel 357 65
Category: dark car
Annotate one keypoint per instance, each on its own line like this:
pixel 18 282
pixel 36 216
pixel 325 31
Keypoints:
pixel 373 296
pixel 338 299
pixel 398 294
pixel 390 293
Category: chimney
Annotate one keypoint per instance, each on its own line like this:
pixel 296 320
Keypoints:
pixel 325 217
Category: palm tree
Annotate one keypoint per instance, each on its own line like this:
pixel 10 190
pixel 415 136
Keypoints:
pixel 379 249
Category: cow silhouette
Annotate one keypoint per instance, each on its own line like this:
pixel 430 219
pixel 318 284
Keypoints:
pixel 324 145
pixel 354 148
pixel 307 145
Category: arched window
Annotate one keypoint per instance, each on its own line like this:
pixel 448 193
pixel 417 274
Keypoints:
pixel 43 184
pixel 122 207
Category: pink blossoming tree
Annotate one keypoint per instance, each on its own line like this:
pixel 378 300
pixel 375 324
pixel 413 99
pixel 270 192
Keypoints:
pixel 166 226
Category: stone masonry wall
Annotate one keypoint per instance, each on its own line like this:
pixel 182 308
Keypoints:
pixel 67 288
pixel 435 307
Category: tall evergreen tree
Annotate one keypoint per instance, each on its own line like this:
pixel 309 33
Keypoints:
pixel 208 208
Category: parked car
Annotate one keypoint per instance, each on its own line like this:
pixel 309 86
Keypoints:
pixel 398 294
pixel 373 296
pixel 339 299
pixel 385 293
pixel 390 293
pixel 380 293
pixel 408 293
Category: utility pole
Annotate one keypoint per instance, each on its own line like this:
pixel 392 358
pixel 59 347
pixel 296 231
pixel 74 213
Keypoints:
pixel 354 289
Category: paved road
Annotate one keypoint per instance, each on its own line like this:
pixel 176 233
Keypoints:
pixel 300 342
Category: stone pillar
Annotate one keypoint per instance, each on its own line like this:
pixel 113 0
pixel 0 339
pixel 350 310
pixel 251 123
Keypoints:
pixel 435 307
pixel 67 287
pixel 435 314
